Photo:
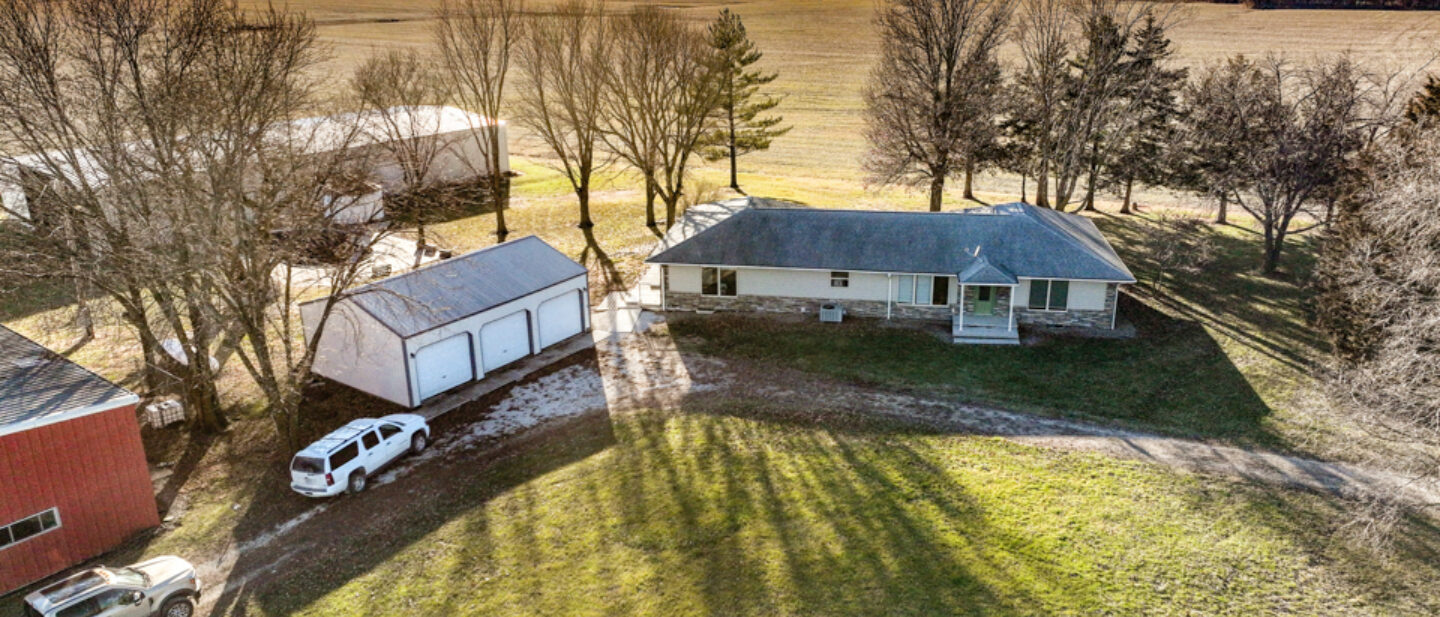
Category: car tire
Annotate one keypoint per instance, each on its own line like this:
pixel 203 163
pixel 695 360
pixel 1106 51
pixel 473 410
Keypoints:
pixel 418 442
pixel 177 607
pixel 356 483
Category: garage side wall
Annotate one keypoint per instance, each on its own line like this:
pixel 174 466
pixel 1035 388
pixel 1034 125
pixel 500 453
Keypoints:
pixel 92 470
pixel 358 351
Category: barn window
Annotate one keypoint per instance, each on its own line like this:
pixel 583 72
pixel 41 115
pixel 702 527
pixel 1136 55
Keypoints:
pixel 29 527
pixel 717 281
pixel 923 289
pixel 839 279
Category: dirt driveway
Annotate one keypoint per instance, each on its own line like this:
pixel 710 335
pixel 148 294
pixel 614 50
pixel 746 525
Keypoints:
pixel 647 371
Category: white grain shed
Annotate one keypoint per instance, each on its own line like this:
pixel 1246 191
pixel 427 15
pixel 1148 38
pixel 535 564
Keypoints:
pixel 415 335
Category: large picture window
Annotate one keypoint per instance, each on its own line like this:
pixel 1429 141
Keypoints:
pixel 1049 295
pixel 717 281
pixel 29 527
pixel 923 289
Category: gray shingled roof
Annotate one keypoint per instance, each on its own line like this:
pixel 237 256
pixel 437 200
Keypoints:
pixel 38 385
pixel 1018 239
pixel 982 272
pixel 456 288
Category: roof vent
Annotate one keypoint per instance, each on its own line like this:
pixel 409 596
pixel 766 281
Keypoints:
pixel 27 362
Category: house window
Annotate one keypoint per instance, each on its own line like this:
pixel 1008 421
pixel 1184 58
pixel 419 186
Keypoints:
pixel 923 289
pixel 839 279
pixel 717 281
pixel 29 527
pixel 1049 295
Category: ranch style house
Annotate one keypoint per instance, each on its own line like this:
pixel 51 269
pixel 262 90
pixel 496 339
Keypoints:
pixel 985 270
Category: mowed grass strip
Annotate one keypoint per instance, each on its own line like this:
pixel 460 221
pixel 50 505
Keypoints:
pixel 733 512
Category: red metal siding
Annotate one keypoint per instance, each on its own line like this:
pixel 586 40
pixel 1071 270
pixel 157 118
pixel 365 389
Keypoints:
pixel 93 470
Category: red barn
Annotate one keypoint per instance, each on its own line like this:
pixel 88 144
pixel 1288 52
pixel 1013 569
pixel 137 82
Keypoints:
pixel 73 478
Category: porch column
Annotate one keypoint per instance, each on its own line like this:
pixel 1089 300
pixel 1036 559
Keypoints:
pixel 1010 320
pixel 889 292
pixel 664 274
pixel 960 299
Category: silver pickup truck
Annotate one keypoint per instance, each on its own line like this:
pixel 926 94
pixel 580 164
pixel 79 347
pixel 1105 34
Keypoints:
pixel 162 587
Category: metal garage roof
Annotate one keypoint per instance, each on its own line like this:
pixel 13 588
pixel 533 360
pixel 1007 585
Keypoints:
pixel 1015 239
pixel 456 288
pixel 38 386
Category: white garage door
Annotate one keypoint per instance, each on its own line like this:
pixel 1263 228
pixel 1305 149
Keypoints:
pixel 504 340
pixel 443 365
pixel 560 318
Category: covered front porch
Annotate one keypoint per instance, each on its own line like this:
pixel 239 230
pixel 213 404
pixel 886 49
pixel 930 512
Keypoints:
pixel 984 329
pixel 986 312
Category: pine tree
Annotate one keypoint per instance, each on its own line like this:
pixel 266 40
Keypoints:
pixel 1141 157
pixel 1425 107
pixel 742 128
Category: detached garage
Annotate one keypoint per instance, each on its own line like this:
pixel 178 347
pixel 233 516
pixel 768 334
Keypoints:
pixel 73 478
pixel 413 336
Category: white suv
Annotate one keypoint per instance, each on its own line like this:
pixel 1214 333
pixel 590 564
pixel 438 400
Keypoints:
pixel 341 460
pixel 163 586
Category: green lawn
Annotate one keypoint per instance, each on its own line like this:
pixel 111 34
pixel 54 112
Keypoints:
pixel 728 511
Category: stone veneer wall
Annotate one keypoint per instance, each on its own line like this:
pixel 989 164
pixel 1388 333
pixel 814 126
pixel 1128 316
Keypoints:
pixel 677 301
pixel 1100 319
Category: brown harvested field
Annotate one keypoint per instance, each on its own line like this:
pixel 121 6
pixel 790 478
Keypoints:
pixel 823 50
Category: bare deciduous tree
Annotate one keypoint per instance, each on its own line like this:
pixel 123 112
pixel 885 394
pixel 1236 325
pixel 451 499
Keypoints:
pixel 390 89
pixel 661 94
pixel 564 56
pixel 1081 108
pixel 1378 277
pixel 162 161
pixel 933 97
pixel 1301 128
pixel 477 40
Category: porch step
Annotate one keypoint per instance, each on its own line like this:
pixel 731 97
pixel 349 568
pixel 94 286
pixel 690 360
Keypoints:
pixel 981 340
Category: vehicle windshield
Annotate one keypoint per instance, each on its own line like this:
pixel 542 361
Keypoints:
pixel 305 464
pixel 128 576
pixel 61 592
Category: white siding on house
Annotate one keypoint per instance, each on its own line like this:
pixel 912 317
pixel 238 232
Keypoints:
pixel 684 279
pixel 1083 295
pixel 808 284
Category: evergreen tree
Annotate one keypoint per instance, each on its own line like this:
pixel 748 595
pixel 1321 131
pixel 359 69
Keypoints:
pixel 742 128
pixel 1425 107
pixel 1141 156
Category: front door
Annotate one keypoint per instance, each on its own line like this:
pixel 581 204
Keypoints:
pixel 984 300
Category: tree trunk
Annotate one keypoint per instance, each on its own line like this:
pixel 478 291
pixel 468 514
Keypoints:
pixel 497 193
pixel 419 241
pixel 1125 204
pixel 1089 189
pixel 1224 203
pixel 1273 243
pixel 582 193
pixel 1023 189
pixel 734 177
pixel 937 192
pixel 1042 190
pixel 969 181
pixel 650 204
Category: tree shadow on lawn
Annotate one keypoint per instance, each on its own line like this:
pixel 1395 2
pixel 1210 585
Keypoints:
pixel 1172 377
pixel 1267 314
pixel 351 534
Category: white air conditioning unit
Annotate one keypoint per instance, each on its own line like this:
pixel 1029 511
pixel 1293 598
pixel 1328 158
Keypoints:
pixel 831 313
